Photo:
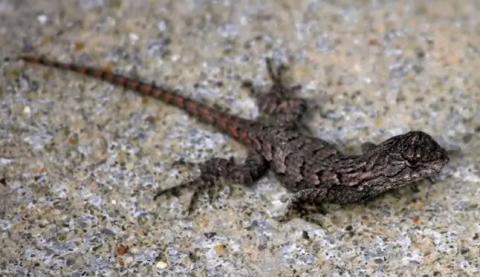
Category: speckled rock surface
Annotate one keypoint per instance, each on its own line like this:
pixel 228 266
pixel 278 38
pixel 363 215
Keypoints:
pixel 81 160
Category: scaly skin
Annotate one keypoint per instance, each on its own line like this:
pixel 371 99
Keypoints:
pixel 234 126
pixel 312 169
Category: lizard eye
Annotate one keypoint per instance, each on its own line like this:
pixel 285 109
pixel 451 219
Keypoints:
pixel 412 163
pixel 411 154
pixel 414 156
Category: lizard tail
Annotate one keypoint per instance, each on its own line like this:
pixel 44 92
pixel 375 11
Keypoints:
pixel 234 126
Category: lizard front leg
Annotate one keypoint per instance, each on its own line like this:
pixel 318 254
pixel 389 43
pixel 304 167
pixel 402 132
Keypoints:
pixel 278 105
pixel 212 170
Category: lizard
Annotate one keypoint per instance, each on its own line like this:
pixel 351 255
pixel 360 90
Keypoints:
pixel 313 170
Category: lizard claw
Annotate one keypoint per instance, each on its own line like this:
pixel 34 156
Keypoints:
pixel 431 179
pixel 295 209
pixel 173 190
pixel 285 214
pixel 199 185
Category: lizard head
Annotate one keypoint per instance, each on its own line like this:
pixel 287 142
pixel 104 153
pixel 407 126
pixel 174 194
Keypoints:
pixel 394 163
pixel 417 153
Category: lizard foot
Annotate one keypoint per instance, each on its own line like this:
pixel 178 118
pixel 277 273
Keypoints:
pixel 278 104
pixel 303 204
pixel 215 170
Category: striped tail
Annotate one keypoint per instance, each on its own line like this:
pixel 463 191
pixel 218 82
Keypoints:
pixel 235 126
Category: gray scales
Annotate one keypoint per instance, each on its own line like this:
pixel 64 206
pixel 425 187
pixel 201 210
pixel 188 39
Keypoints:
pixel 313 170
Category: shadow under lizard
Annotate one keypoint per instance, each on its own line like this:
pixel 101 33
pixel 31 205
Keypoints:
pixel 313 170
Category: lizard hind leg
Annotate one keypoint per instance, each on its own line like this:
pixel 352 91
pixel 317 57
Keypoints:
pixel 279 105
pixel 215 169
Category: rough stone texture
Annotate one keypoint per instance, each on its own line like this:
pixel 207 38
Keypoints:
pixel 80 160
